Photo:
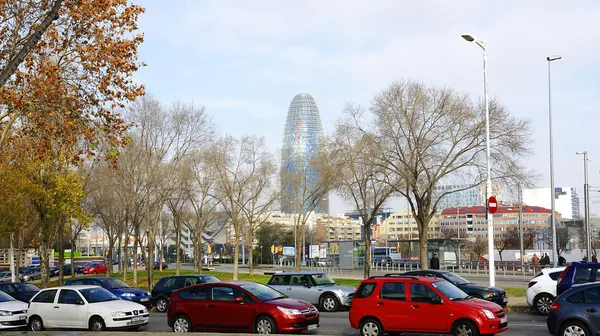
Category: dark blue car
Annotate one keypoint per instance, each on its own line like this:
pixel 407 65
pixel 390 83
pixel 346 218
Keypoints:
pixel 577 273
pixel 117 287
pixel 576 311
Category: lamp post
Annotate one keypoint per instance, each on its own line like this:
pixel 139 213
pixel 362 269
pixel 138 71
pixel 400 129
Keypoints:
pixel 490 220
pixel 586 197
pixel 550 59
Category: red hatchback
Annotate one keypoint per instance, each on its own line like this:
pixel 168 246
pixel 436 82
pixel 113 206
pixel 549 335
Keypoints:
pixel 239 306
pixel 95 268
pixel 418 304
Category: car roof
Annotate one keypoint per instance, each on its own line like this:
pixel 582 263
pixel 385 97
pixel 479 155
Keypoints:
pixel 554 269
pixel 188 275
pixel 585 285
pixel 398 276
pixel 299 273
pixel 77 287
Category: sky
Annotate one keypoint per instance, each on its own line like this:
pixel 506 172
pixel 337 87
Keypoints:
pixel 246 60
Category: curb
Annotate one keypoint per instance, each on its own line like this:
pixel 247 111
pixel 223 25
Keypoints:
pixel 518 309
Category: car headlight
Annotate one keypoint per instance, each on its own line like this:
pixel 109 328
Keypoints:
pixel 289 311
pixel 118 314
pixel 128 294
pixel 145 311
pixel 5 313
pixel 148 293
pixel 488 313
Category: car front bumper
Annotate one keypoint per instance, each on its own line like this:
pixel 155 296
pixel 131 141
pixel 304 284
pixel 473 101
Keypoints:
pixel 14 321
pixel 297 324
pixel 143 300
pixel 502 301
pixel 493 326
pixel 128 321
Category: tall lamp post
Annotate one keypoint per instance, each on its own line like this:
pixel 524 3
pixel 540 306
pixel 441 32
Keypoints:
pixel 490 216
pixel 586 197
pixel 550 59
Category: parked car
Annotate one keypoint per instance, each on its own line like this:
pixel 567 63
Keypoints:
pixel 161 293
pixel 80 266
pixel 31 273
pixel 256 307
pixel 6 276
pixel 577 273
pixel 315 287
pixel 13 313
pixel 117 287
pixel 157 265
pixel 55 271
pixel 420 304
pixel 95 268
pixel 493 294
pixel 20 291
pixel 542 289
pixel 576 311
pixel 83 307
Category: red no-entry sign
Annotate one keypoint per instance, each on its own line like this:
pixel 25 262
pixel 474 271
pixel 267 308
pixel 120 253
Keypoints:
pixel 492 205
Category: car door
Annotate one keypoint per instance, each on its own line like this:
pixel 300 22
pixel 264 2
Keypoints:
pixel 298 289
pixel 223 306
pixel 43 306
pixel 196 305
pixel 70 310
pixel 393 307
pixel 426 316
pixel 280 282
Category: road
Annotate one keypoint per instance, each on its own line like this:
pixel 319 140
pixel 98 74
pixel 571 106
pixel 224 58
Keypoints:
pixel 521 324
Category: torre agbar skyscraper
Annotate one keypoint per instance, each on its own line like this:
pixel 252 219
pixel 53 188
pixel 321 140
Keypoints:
pixel 301 136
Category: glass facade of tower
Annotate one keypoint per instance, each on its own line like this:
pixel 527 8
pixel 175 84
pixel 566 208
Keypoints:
pixel 301 136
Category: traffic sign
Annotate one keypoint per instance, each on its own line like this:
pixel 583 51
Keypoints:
pixel 492 205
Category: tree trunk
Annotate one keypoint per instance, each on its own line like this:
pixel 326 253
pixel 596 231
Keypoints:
pixel 423 244
pixel 119 258
pixel 135 253
pixel 125 255
pixel 43 255
pixel 299 248
pixel 177 244
pixel 111 246
pixel 73 249
pixel 197 253
pixel 150 261
pixel 11 254
pixel 61 252
pixel 200 254
pixel 250 251
pixel 236 253
pixel 367 268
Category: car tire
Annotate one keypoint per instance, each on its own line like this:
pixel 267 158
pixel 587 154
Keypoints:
pixel 36 324
pixel 265 325
pixel 162 305
pixel 182 324
pixel 574 328
pixel 329 303
pixel 97 324
pixel 370 327
pixel 542 303
pixel 464 328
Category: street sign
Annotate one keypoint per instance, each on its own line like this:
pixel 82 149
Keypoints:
pixel 492 205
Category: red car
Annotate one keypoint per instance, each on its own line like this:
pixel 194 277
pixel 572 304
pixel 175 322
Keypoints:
pixel 239 306
pixel 418 304
pixel 95 268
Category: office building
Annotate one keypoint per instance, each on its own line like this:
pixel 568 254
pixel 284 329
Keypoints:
pixel 566 200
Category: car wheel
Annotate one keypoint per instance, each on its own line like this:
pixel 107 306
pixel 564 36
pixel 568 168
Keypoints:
pixel 162 305
pixel 97 324
pixel 329 303
pixel 573 328
pixel 36 324
pixel 542 303
pixel 464 328
pixel 182 324
pixel 371 327
pixel 265 325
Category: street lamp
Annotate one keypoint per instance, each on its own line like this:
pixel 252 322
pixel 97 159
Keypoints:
pixel 552 190
pixel 586 197
pixel 480 43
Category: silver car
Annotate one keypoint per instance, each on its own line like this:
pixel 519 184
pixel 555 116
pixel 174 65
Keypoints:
pixel 316 288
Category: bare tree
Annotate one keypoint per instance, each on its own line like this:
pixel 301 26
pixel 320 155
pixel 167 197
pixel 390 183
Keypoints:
pixel 479 246
pixel 360 180
pixel 430 135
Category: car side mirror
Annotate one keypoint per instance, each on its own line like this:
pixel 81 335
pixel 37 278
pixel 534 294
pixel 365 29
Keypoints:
pixel 436 300
pixel 239 300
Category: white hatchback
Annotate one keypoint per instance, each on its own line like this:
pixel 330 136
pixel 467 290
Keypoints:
pixel 13 313
pixel 542 289
pixel 83 307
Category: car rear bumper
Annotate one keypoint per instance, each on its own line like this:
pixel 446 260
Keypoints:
pixel 529 296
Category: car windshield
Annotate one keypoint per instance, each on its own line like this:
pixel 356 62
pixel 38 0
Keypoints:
pixel 88 265
pixel 115 283
pixel 5 297
pixel 94 295
pixel 450 291
pixel 262 292
pixel 26 288
pixel 323 280
pixel 210 278
pixel 456 279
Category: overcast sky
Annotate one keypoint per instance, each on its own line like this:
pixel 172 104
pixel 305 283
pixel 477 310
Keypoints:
pixel 246 60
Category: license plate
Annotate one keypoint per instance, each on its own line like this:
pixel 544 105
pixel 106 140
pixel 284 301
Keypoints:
pixel 504 320
pixel 144 300
pixel 136 319
pixel 23 317
pixel 505 299
pixel 312 327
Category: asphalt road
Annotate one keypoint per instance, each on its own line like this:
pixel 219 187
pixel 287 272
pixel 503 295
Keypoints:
pixel 519 324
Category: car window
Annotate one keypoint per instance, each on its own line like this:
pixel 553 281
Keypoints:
pixel 592 295
pixel 365 290
pixel 173 282
pixel 210 279
pixel 582 275
pixel 555 275
pixel 421 293
pixel 322 280
pixel 67 296
pixel 45 296
pixel 223 294
pixel 281 280
pixel 394 291
pixel 576 297
pixel 597 274
pixel 5 297
pixel 190 281
pixel 197 293
pixel 299 280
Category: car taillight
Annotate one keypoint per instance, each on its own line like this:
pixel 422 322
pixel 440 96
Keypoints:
pixel 531 283
pixel 562 275
pixel 555 306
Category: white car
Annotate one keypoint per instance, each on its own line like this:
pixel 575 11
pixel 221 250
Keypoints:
pixel 83 307
pixel 13 313
pixel 542 289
